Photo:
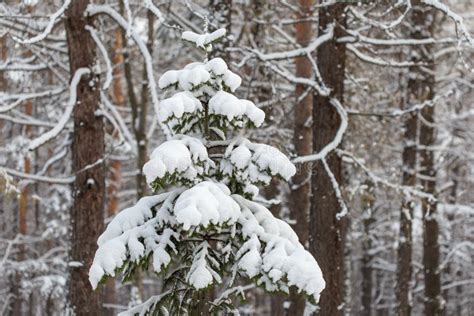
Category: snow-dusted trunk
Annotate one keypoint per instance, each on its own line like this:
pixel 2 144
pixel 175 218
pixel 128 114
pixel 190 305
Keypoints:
pixel 420 131
pixel 302 139
pixel 431 253
pixel 405 242
pixel 23 204
pixel 422 91
pixel 141 113
pixel 327 233
pixel 87 153
pixel 454 299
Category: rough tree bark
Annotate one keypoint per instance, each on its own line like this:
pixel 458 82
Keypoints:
pixel 327 233
pixel 405 242
pixel 422 91
pixel 87 213
pixel 19 304
pixel 115 165
pixel 300 193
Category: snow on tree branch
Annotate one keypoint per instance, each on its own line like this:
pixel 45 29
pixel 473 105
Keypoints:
pixel 454 16
pixel 335 142
pixel 327 36
pixel 52 20
pixel 52 133
pixel 203 41
pixel 103 51
pixel 150 6
pixel 94 9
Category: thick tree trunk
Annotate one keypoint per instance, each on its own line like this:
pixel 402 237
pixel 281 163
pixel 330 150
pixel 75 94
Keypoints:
pixel 327 233
pixel 453 274
pixel 433 296
pixel 405 242
pixel 420 89
pixel 303 141
pixel 19 304
pixel 87 153
pixel 423 19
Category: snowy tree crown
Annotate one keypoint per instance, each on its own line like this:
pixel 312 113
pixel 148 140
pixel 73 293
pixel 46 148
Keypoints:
pixel 207 228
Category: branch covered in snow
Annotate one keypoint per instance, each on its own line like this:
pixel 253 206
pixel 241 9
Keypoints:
pixel 52 133
pixel 52 20
pixel 335 142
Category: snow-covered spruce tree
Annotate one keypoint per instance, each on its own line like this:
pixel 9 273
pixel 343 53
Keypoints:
pixel 206 229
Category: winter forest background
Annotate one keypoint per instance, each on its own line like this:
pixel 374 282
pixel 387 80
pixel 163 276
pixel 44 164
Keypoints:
pixel 372 101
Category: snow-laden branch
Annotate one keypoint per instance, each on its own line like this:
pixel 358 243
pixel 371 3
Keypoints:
pixel 116 115
pixel 452 252
pixel 335 142
pixel 397 112
pixel 357 37
pixel 328 35
pixel 337 191
pixel 52 20
pixel 128 11
pixel 378 61
pixel 103 51
pixel 19 98
pixel 35 177
pixel 151 6
pixel 67 114
pixel 30 121
pixel 454 16
pixel 384 26
pixel 94 9
pixel 9 66
pixel 379 180
pixel 304 81
pixel 57 157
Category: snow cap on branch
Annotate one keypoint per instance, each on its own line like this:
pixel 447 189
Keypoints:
pixel 205 40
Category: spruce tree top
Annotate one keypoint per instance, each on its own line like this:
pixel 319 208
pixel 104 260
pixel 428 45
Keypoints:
pixel 206 229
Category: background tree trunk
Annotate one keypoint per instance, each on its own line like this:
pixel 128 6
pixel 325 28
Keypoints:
pixel 367 199
pixel 327 232
pixel 423 90
pixel 110 295
pixel 87 215
pixel 405 242
pixel 300 189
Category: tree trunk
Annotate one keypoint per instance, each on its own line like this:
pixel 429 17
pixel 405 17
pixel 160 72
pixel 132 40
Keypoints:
pixel 299 203
pixel 115 165
pixel 420 89
pixel 405 242
pixel 19 303
pixel 433 296
pixel 87 151
pixel 327 232
pixel 368 199
pixel 423 90
pixel 139 108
